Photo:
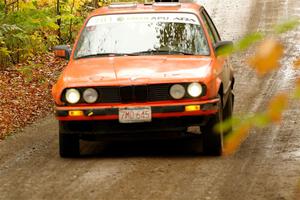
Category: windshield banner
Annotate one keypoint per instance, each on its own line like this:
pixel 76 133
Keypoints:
pixel 186 18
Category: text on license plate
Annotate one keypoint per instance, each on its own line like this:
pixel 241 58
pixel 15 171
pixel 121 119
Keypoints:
pixel 135 114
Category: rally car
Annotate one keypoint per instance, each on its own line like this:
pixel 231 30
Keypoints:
pixel 144 70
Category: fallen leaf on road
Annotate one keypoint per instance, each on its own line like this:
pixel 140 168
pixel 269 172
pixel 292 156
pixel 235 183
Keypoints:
pixel 25 91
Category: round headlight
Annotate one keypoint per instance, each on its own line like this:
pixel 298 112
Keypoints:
pixel 72 96
pixel 195 89
pixel 177 91
pixel 90 95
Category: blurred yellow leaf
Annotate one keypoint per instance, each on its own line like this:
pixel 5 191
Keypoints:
pixel 276 107
pixel 234 140
pixel 297 63
pixel 267 56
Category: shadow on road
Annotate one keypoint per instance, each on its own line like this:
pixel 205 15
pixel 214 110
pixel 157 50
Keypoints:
pixel 144 148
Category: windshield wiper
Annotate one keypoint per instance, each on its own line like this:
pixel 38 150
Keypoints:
pixel 102 55
pixel 159 52
pixel 152 52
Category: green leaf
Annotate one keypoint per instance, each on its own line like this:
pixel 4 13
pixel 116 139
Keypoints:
pixel 227 124
pixel 260 120
pixel 287 26
pixel 4 51
pixel 296 94
pixel 248 40
pixel 225 51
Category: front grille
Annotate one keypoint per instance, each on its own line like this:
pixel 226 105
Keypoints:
pixel 126 93
pixel 109 94
pixel 141 93
pixel 135 93
pixel 138 93
pixel 159 92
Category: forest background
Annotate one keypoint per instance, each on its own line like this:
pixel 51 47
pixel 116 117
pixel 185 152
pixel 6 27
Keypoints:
pixel 29 29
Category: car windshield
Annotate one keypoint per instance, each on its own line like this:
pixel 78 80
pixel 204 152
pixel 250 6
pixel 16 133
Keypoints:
pixel 147 33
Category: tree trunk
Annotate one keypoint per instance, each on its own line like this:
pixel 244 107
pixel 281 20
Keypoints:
pixel 58 21
pixel 96 5
pixel 5 7
pixel 71 22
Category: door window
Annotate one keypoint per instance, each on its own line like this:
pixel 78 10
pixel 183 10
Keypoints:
pixel 212 31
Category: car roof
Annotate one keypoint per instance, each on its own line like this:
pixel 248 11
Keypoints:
pixel 148 8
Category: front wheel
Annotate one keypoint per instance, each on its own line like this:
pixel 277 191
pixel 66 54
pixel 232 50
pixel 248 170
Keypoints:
pixel 69 145
pixel 228 110
pixel 212 140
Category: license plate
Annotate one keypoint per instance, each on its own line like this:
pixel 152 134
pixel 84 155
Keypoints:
pixel 135 115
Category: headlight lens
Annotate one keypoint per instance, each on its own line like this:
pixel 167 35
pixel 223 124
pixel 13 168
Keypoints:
pixel 195 89
pixel 72 96
pixel 90 95
pixel 177 91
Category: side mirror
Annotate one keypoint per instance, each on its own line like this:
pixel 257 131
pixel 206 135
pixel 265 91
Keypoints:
pixel 62 51
pixel 223 48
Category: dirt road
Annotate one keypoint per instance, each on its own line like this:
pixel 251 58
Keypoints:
pixel 267 165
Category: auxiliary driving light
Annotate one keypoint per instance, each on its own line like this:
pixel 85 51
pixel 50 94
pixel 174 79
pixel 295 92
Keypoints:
pixel 75 113
pixel 192 108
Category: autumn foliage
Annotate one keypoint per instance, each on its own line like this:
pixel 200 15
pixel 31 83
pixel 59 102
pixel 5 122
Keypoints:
pixel 32 27
pixel 25 91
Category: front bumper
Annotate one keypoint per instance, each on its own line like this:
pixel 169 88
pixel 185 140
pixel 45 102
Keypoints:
pixel 159 110
pixel 112 130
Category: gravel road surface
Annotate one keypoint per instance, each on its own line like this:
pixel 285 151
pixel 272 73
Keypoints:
pixel 266 166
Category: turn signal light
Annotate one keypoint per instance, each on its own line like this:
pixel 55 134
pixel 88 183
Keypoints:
pixel 75 113
pixel 192 108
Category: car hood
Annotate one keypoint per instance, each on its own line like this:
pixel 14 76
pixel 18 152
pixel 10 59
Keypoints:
pixel 134 70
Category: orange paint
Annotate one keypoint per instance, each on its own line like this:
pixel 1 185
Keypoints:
pixel 149 69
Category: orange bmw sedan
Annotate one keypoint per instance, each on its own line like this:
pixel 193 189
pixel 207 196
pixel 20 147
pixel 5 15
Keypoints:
pixel 144 70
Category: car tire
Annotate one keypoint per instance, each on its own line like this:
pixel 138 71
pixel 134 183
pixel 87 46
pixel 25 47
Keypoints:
pixel 228 110
pixel 69 145
pixel 212 140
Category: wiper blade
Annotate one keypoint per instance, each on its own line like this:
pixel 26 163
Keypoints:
pixel 153 52
pixel 181 52
pixel 160 52
pixel 102 55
